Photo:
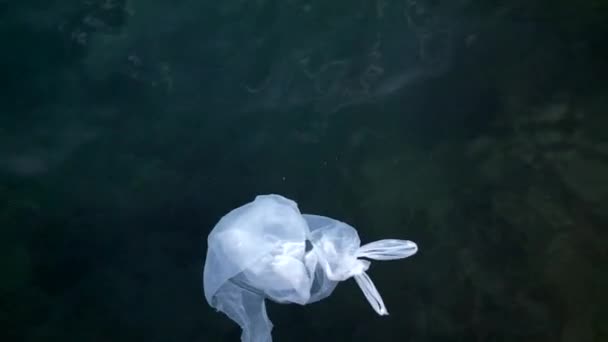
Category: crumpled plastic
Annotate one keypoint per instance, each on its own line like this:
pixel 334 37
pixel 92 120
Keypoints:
pixel 267 249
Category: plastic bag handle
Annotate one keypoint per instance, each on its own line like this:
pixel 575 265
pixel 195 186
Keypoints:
pixel 371 293
pixel 388 249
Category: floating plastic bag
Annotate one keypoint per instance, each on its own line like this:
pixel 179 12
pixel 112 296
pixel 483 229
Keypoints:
pixel 268 249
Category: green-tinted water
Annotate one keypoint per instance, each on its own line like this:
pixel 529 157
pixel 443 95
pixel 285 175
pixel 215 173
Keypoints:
pixel 475 128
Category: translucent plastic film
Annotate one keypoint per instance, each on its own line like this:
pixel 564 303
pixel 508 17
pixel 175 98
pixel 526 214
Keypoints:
pixel 259 251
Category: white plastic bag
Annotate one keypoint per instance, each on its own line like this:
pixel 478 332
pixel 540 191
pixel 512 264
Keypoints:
pixel 260 251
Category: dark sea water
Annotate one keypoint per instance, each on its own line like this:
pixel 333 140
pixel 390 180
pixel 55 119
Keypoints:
pixel 477 129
